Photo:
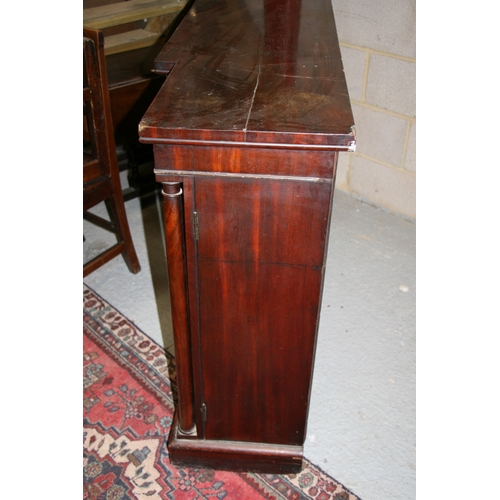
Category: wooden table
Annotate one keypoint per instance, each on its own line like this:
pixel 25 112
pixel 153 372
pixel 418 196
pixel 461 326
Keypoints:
pixel 246 131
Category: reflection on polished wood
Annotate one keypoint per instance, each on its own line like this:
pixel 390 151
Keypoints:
pixel 249 124
pixel 254 71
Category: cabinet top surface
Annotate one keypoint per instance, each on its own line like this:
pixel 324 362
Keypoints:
pixel 253 72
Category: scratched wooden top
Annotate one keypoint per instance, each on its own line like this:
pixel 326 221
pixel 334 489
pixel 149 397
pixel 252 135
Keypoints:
pixel 253 72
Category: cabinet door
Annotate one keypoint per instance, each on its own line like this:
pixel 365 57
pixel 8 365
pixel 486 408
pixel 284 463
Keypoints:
pixel 261 254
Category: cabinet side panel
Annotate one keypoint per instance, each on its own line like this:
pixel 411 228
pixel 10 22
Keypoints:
pixel 260 265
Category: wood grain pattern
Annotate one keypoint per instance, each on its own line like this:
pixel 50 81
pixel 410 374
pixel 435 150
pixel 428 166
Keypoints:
pixel 253 72
pixel 240 160
pixel 260 268
pixel 250 121
pixel 177 272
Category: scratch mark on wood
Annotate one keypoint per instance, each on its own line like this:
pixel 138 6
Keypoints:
pixel 253 99
pixel 311 77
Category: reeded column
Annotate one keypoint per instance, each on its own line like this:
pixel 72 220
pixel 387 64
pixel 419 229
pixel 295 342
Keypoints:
pixel 176 260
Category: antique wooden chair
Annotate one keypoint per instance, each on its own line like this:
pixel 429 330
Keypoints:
pixel 101 178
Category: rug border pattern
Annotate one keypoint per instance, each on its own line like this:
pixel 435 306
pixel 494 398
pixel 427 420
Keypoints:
pixel 115 334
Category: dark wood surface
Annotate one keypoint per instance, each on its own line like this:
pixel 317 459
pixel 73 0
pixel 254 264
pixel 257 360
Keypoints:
pixel 259 281
pixel 249 123
pixel 254 72
pixel 242 456
pixel 176 260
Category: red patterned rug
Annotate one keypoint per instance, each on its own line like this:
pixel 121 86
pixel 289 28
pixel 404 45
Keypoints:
pixel 128 409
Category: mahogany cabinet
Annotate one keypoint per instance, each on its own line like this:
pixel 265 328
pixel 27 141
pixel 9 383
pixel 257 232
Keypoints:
pixel 246 131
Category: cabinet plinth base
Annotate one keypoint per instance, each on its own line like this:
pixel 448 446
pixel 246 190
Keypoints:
pixel 235 456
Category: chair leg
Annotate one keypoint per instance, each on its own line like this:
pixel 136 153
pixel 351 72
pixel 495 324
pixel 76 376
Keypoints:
pixel 116 205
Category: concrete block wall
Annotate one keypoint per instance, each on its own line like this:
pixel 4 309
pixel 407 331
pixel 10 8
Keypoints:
pixel 377 41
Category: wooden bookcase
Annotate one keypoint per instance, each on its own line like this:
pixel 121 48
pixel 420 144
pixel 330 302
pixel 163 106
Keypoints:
pixel 246 132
